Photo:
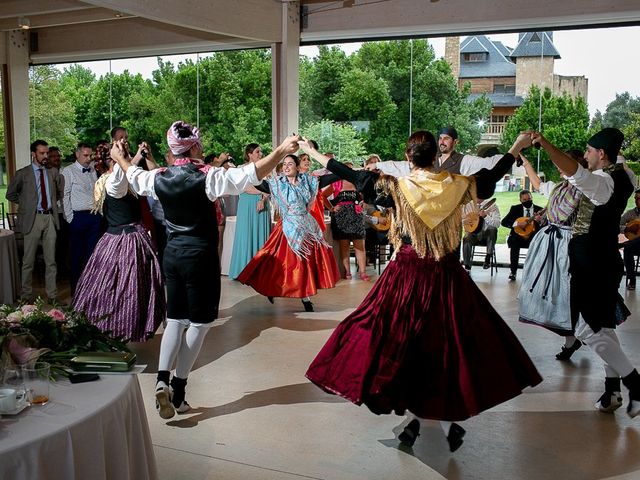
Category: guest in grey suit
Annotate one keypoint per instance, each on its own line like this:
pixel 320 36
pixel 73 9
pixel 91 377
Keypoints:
pixel 37 189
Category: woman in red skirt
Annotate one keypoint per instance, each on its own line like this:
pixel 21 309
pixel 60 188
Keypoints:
pixel 425 339
pixel 296 260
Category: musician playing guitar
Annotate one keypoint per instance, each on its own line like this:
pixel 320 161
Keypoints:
pixel 520 216
pixel 485 217
pixel 630 228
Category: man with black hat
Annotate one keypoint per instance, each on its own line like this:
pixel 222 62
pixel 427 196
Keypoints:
pixel 448 159
pixel 191 262
pixel 594 262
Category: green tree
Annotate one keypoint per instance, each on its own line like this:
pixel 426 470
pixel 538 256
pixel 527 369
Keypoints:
pixel 565 123
pixel 76 81
pixel 341 139
pixel 619 111
pixel 631 131
pixel 51 109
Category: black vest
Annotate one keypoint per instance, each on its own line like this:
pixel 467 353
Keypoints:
pixel 451 164
pixel 605 222
pixel 188 212
pixel 120 213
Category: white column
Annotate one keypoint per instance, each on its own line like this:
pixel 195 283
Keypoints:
pixel 15 91
pixel 284 75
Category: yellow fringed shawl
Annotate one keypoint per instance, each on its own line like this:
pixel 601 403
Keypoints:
pixel 427 210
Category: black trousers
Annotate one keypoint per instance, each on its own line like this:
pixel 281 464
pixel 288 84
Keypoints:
pixel 193 282
pixel 515 243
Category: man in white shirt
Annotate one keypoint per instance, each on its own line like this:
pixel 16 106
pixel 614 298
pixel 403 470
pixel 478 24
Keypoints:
pixel 448 159
pixel 84 226
pixel 486 233
pixel 594 261
pixel 191 263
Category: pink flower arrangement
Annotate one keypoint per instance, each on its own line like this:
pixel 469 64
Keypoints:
pixel 30 333
pixel 57 315
pixel 28 309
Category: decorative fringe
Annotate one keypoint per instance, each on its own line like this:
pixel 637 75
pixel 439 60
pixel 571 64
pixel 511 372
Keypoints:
pixel 99 194
pixel 437 242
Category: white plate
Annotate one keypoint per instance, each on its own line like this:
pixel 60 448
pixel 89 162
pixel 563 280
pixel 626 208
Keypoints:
pixel 16 411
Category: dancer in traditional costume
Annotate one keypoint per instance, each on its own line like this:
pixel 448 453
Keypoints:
pixel 594 261
pixel 121 288
pixel 191 263
pixel 544 292
pixel 296 260
pixel 253 220
pixel 425 339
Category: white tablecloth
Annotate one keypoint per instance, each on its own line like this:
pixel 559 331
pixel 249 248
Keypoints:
pixel 9 271
pixel 93 430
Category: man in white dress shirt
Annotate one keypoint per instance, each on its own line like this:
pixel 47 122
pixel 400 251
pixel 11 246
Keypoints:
pixel 486 233
pixel 84 226
pixel 448 159
pixel 186 191
pixel 594 261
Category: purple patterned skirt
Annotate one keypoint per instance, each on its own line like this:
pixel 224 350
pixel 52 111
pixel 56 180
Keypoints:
pixel 121 288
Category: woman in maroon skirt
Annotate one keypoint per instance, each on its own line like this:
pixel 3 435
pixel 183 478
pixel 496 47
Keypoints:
pixel 425 339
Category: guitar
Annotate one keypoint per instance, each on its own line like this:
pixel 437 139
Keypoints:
pixel 472 221
pixel 530 227
pixel 381 227
pixel 632 229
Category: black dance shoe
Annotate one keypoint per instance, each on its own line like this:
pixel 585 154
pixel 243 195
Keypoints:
pixel 410 433
pixel 456 434
pixel 308 306
pixel 270 300
pixel 512 277
pixel 566 352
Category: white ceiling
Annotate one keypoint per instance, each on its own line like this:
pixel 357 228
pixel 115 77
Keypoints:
pixel 73 30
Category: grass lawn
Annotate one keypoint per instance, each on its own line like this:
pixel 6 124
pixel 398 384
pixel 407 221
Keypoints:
pixel 504 201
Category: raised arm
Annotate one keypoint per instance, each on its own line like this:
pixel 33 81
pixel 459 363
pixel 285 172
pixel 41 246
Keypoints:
pixel 486 179
pixel 364 180
pixel 531 173
pixel 563 161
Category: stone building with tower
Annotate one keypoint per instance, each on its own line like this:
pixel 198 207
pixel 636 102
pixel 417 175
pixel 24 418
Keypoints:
pixel 505 74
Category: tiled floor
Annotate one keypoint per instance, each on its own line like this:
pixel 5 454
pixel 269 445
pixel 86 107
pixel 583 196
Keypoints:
pixel 255 415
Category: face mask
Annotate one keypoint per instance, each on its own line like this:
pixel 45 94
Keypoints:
pixel 527 204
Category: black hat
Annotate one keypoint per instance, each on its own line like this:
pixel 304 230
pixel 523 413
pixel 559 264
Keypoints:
pixel 609 140
pixel 449 131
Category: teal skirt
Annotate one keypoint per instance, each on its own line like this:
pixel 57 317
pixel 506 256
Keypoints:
pixel 252 231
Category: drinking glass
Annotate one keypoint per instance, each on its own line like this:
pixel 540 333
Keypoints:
pixel 36 380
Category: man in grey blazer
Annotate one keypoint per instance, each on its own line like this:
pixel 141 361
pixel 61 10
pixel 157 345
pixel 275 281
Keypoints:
pixel 36 189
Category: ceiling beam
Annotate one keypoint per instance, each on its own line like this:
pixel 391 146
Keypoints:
pixel 26 8
pixel 89 15
pixel 132 37
pixel 332 22
pixel 250 19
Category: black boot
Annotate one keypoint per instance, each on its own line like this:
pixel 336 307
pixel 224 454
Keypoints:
pixel 410 433
pixel 308 306
pixel 178 394
pixel 632 382
pixel 456 434
pixel 566 352
pixel 611 399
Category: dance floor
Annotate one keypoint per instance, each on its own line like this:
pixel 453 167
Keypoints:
pixel 255 415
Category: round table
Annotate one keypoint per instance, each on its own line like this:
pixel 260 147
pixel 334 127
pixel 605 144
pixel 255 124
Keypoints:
pixel 9 270
pixel 93 430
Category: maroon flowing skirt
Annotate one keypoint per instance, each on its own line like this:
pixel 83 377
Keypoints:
pixel 425 339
